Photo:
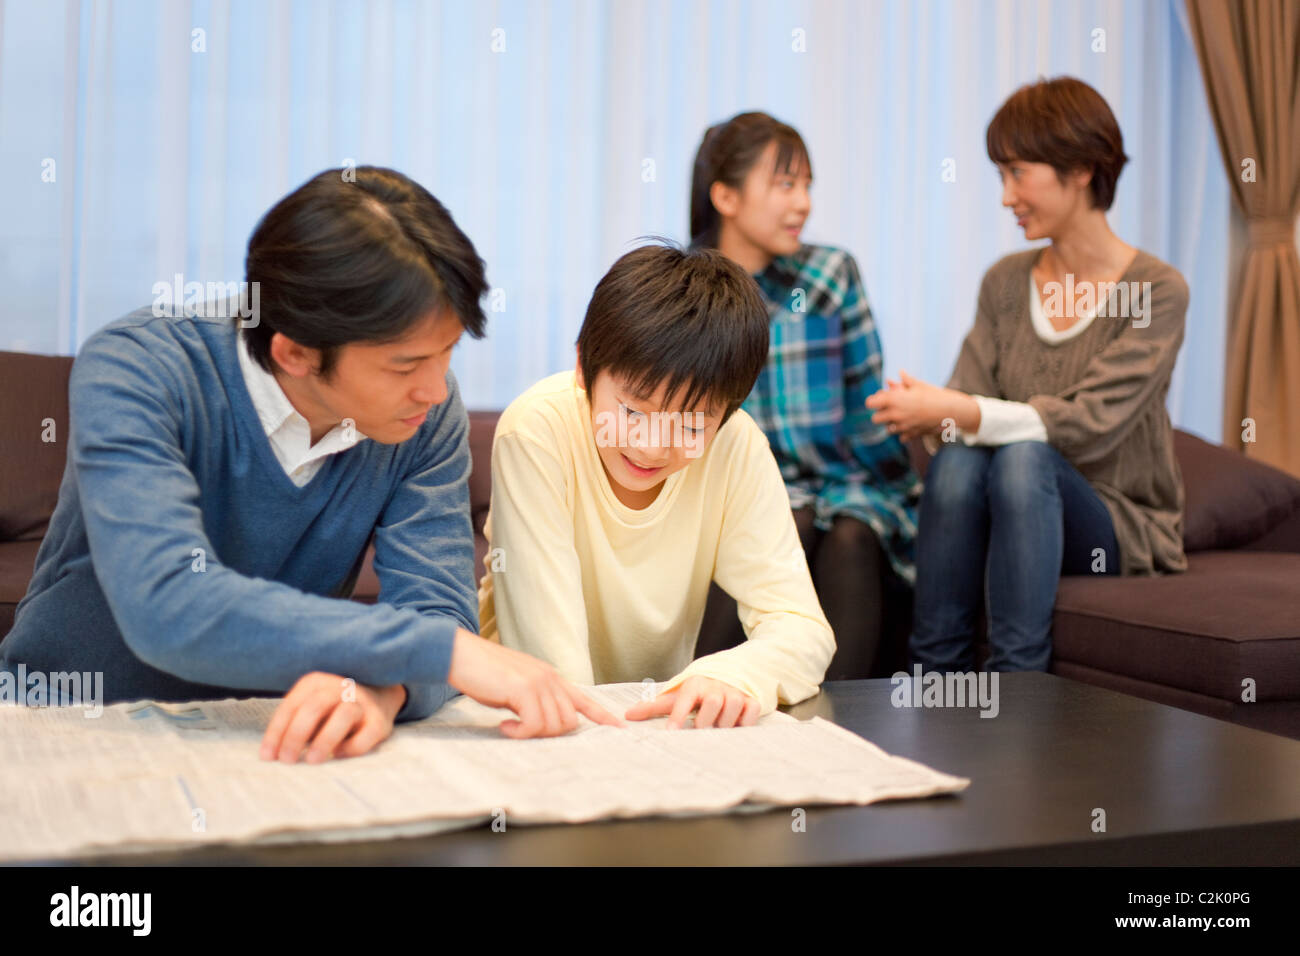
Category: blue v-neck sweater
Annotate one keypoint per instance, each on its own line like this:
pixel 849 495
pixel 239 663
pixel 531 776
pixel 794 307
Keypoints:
pixel 183 563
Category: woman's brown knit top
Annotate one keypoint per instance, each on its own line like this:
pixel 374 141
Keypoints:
pixel 1101 394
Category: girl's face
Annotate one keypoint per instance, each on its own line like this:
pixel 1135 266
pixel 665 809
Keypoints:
pixel 1043 205
pixel 769 210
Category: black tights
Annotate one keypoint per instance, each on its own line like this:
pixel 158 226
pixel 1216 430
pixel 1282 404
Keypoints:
pixel 858 590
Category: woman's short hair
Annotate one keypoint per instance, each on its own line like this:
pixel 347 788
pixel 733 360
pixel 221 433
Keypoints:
pixel 1065 123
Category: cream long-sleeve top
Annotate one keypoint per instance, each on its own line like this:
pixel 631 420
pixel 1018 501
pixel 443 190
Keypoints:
pixel 607 593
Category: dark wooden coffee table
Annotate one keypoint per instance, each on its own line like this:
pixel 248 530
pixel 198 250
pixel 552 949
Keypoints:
pixel 1175 787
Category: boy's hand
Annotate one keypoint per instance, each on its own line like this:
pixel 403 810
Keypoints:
pixel 720 705
pixel 547 705
pixel 331 715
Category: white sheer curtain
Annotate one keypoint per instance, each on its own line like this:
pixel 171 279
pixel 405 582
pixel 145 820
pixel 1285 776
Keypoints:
pixel 559 132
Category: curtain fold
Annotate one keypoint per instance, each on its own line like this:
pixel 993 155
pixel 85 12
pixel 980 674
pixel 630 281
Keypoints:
pixel 1250 62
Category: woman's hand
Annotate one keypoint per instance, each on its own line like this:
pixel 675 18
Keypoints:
pixel 910 407
pixel 720 705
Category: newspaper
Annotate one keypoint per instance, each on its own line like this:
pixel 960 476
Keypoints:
pixel 148 776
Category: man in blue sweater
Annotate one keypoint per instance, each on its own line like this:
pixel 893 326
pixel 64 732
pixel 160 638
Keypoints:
pixel 225 475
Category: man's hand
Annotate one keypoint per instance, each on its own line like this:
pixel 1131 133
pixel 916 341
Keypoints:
pixel 545 703
pixel 910 407
pixel 720 705
pixel 334 716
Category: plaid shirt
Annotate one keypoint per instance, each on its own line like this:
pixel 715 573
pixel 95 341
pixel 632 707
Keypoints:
pixel 823 361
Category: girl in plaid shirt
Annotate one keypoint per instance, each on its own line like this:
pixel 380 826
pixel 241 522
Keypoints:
pixel 851 482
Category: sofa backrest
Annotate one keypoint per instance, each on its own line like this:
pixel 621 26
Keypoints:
pixel 33 440
pixel 1232 501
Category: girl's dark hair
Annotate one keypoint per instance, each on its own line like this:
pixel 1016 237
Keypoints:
pixel 691 320
pixel 358 258
pixel 727 154
pixel 1065 123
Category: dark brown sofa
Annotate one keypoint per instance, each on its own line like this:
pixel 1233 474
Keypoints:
pixel 1188 640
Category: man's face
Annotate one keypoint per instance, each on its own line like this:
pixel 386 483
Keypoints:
pixel 641 441
pixel 388 389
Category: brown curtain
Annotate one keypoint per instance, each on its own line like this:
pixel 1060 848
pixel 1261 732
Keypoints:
pixel 1249 52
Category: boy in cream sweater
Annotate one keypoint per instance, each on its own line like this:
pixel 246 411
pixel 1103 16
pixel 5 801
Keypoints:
pixel 621 489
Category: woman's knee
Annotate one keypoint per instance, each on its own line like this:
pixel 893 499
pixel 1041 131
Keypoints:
pixel 1023 474
pixel 957 477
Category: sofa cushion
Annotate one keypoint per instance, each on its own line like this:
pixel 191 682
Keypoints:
pixel 1232 500
pixel 17 562
pixel 1231 615
pixel 33 391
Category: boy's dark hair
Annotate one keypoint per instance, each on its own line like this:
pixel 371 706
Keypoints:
pixel 362 259
pixel 1065 123
pixel 692 319
pixel 727 153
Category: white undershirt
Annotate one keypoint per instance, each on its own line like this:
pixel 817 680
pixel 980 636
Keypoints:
pixel 288 432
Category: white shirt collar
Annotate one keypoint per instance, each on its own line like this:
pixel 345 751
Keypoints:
pixel 288 431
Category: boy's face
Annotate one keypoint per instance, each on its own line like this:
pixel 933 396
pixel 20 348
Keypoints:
pixel 386 389
pixel 641 441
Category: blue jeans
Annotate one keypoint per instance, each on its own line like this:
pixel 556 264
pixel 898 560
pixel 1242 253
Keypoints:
pixel 1002 523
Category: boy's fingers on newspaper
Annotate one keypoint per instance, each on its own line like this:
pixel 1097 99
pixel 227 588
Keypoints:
pixel 711 705
pixel 658 707
pixel 732 712
pixel 688 697
pixel 749 716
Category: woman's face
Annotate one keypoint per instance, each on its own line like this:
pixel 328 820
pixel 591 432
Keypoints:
pixel 769 210
pixel 1042 204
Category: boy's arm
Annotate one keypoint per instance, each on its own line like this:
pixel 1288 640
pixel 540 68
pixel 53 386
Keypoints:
pixel 139 501
pixel 537 593
pixel 424 544
pixel 761 564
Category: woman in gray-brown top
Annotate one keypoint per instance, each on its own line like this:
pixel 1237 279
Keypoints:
pixel 1057 454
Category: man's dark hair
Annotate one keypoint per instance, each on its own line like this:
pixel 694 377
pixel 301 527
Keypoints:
pixel 343 259
pixel 1065 123
pixel 692 319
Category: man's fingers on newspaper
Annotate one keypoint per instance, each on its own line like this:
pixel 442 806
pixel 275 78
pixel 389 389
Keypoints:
pixel 340 724
pixel 307 716
pixel 367 737
pixel 276 743
pixel 529 720
pixel 592 710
